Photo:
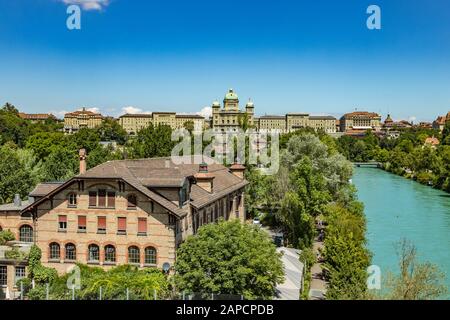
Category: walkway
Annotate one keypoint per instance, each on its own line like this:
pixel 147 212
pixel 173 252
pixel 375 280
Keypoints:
pixel 293 271
pixel 318 285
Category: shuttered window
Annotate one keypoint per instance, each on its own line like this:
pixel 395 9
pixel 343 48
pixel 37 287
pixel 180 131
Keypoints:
pixel 62 223
pixel 111 199
pixel 122 225
pixel 82 223
pixel 101 225
pixel 92 199
pixel 142 226
pixel 102 198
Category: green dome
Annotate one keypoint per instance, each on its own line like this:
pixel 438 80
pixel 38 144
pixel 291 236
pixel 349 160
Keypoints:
pixel 216 104
pixel 231 95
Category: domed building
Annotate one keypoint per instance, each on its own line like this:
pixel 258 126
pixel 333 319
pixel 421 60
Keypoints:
pixel 228 118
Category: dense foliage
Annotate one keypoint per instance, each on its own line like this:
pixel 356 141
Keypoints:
pixel 407 155
pixel 229 257
pixel 313 184
pixel 38 152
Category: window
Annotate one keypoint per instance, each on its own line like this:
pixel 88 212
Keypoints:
pixel 3 276
pixel 134 255
pixel 62 223
pixel 142 226
pixel 110 254
pixel 81 223
pixel 92 199
pixel 102 198
pixel 71 252
pixel 19 273
pixel 101 225
pixel 55 252
pixel 121 225
pixel 111 199
pixel 132 201
pixel 26 233
pixel 72 200
pixel 94 253
pixel 150 255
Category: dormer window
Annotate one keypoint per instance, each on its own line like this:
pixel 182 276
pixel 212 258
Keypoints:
pixel 102 198
pixel 132 201
pixel 72 200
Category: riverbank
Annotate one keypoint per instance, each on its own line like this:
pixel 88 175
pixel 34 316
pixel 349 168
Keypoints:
pixel 398 208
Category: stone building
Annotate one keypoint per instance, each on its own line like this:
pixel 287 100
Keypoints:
pixel 37 117
pixel 439 123
pixel 360 120
pixel 128 211
pixel 132 123
pixel 228 118
pixel 77 120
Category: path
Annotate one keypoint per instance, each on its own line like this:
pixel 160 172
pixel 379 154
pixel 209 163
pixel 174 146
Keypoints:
pixel 318 285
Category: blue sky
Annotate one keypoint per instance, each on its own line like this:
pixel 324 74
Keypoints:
pixel 178 55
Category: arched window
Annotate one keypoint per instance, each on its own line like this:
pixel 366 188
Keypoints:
pixel 134 255
pixel 26 233
pixel 55 251
pixel 94 253
pixel 132 201
pixel 110 253
pixel 72 199
pixel 150 255
pixel 71 252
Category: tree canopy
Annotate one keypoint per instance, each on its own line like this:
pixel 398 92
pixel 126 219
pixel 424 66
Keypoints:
pixel 229 257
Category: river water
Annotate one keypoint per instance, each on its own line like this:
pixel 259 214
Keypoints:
pixel 398 208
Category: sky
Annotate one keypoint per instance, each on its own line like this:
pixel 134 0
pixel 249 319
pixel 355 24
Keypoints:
pixel 179 55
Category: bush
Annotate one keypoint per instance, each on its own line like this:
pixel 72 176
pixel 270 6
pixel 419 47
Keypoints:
pixel 5 236
pixel 15 254
pixel 229 257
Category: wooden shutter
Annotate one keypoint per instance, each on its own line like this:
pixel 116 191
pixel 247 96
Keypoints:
pixel 92 199
pixel 101 223
pixel 122 224
pixel 62 218
pixel 111 199
pixel 142 225
pixel 102 198
pixel 81 221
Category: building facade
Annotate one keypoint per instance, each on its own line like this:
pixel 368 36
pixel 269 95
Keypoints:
pixel 439 123
pixel 125 212
pixel 132 123
pixel 360 120
pixel 230 117
pixel 37 117
pixel 77 120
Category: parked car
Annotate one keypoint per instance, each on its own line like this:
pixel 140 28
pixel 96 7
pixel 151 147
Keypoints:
pixel 257 221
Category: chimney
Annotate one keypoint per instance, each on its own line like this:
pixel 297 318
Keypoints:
pixel 82 161
pixel 238 170
pixel 17 200
pixel 205 180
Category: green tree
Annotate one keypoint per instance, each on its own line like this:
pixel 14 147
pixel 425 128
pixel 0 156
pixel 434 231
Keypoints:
pixel 111 130
pixel 153 141
pixel 60 165
pixel 416 281
pixel 229 257
pixel 18 173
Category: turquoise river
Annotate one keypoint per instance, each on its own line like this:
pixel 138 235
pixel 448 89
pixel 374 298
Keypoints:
pixel 398 208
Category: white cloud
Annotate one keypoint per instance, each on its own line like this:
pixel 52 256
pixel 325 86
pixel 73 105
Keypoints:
pixel 89 4
pixel 205 112
pixel 59 113
pixel 94 109
pixel 131 109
